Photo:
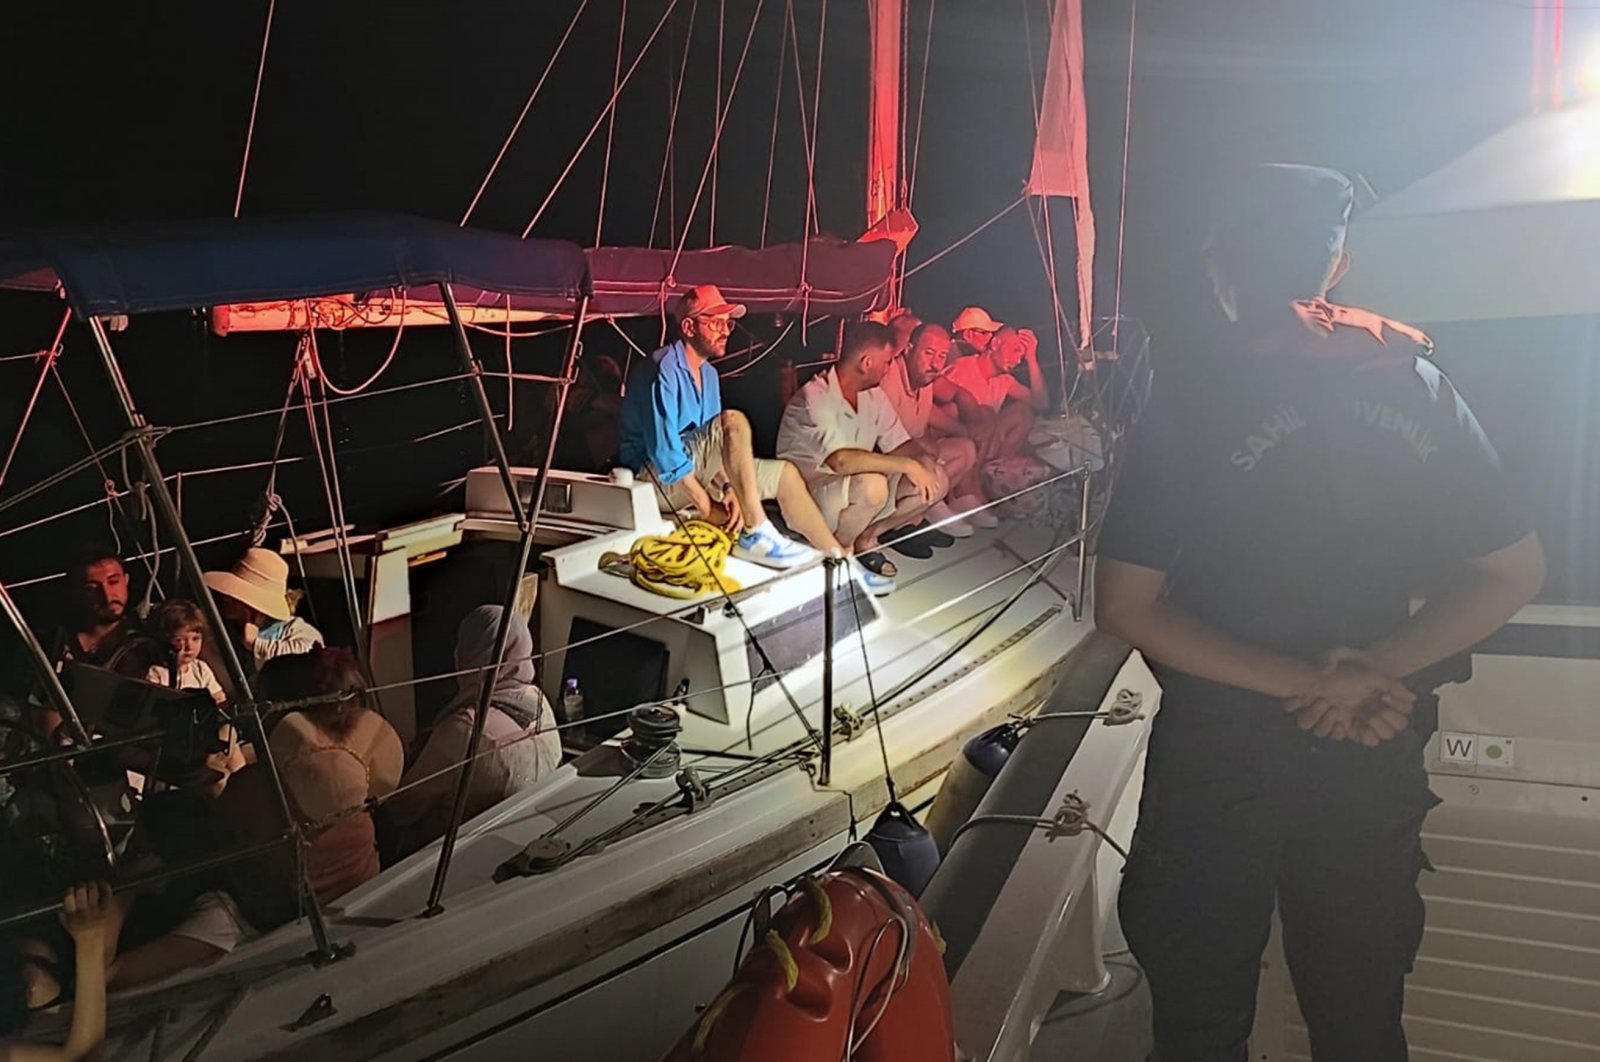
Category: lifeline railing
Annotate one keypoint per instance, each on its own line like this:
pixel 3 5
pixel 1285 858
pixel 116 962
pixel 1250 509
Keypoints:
pixel 527 523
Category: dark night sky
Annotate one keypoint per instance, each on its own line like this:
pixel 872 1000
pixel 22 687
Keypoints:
pixel 138 110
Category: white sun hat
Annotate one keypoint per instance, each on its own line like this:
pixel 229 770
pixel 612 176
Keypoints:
pixel 260 579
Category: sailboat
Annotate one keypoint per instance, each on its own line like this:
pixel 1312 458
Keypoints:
pixel 763 729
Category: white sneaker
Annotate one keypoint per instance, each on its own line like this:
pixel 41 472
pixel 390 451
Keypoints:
pixel 969 508
pixel 767 546
pixel 939 513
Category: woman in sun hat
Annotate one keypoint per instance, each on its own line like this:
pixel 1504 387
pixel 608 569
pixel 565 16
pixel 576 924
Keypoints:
pixel 255 593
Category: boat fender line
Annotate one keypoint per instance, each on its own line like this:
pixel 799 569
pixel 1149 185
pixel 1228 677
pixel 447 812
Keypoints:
pixel 849 964
pixel 819 896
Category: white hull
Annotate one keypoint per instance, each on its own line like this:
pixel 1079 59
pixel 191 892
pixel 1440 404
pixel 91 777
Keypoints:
pixel 607 956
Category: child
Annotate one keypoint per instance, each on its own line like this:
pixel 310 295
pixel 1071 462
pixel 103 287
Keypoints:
pixel 181 626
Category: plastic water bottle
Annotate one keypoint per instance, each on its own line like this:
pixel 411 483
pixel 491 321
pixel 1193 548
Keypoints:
pixel 571 701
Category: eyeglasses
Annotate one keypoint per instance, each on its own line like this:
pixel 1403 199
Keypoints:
pixel 715 324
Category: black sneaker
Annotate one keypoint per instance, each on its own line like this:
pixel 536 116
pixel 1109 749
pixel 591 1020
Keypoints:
pixel 906 541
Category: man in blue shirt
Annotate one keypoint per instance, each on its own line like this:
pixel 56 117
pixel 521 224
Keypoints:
pixel 675 430
pixel 1294 482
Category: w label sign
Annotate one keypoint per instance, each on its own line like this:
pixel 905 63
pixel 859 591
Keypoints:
pixel 1458 748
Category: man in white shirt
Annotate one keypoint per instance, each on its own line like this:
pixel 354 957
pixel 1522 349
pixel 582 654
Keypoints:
pixel 913 384
pixel 867 474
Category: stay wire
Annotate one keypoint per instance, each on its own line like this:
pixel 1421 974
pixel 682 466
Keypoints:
pixel 872 694
pixel 666 184
pixel 526 107
pixel 611 128
pixel 573 161
pixel 772 144
pixel 716 139
pixel 255 103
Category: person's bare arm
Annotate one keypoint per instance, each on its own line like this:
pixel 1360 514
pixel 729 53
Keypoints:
pixel 1036 395
pixel 1129 604
pixel 943 421
pixel 160 958
pixel 904 461
pixel 977 418
pixel 1494 589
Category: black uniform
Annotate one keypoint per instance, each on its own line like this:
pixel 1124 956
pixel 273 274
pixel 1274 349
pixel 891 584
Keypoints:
pixel 1295 502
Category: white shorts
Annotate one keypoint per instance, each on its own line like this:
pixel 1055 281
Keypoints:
pixel 705 450
pixel 831 492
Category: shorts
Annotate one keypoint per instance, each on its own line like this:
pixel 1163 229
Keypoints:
pixel 705 450
pixel 831 491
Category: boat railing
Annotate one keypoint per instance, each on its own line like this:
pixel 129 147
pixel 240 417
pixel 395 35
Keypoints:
pixel 142 438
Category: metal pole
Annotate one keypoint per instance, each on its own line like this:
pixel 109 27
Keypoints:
pixel 1083 544
pixel 829 563
pixel 53 689
pixel 187 560
pixel 528 522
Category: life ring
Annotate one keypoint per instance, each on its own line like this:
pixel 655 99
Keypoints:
pixel 849 968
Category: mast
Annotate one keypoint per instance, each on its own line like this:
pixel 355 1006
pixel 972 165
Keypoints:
pixel 886 19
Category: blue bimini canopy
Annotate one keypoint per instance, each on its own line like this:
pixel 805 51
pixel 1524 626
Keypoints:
pixel 190 265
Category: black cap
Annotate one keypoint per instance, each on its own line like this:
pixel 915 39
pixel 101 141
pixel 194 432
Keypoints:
pixel 1281 208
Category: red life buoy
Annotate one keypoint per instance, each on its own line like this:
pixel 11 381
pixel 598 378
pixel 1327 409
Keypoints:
pixel 850 968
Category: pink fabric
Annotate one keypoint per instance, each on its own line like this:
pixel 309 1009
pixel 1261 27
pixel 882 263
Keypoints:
pixel 1061 145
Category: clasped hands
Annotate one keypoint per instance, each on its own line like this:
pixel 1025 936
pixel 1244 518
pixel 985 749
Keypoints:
pixel 1350 699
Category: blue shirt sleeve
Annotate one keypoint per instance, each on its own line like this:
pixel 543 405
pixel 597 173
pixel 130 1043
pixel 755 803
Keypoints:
pixel 664 448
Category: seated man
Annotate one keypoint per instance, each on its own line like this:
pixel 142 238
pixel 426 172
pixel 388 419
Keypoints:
pixel 971 332
pixel 675 431
pixel 901 326
pixel 995 407
pixel 866 472
pixel 910 385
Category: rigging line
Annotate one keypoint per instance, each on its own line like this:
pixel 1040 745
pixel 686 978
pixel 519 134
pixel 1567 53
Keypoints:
pixel 922 98
pixel 351 392
pixel 255 102
pixel 144 557
pixel 816 126
pixel 811 225
pixel 573 161
pixel 663 184
pixel 872 695
pixel 1122 198
pixel 31 356
pixel 925 263
pixel 611 131
pixel 716 142
pixel 50 357
pixel 331 495
pixel 738 613
pixel 805 127
pixel 902 118
pixel 772 145
pixel 741 370
pixel 517 125
pixel 511 383
pixel 236 417
pixel 716 137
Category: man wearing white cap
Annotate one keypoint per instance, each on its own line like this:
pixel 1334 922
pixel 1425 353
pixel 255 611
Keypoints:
pixel 971 331
pixel 255 594
pixel 675 430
